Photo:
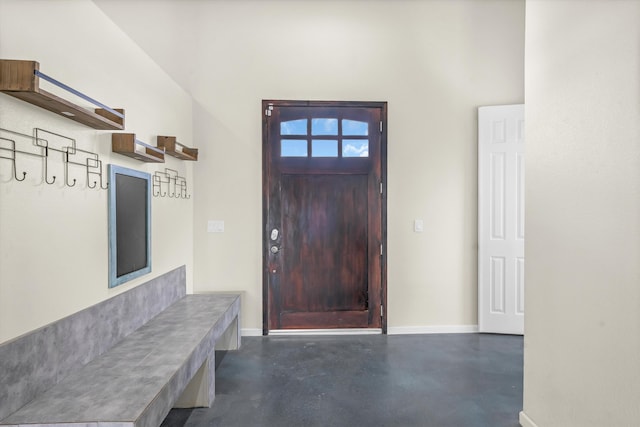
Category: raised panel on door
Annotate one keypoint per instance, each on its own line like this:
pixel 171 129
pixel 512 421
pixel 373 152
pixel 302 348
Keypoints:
pixel 323 212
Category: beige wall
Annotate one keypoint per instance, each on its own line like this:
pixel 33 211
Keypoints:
pixel 53 240
pixel 434 62
pixel 582 328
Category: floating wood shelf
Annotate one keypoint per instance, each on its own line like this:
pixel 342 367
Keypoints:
pixel 125 144
pixel 177 150
pixel 21 79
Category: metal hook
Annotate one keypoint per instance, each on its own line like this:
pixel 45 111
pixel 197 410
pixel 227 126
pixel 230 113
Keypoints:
pixel 14 168
pixel 97 164
pixel 47 181
pixel 157 185
pixel 46 166
pixel 183 189
pixel 66 169
pixel 89 173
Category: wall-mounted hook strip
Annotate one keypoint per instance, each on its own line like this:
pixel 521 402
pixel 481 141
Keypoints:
pixel 97 164
pixel 157 185
pixel 176 185
pixel 183 189
pixel 12 151
pixel 12 157
pixel 173 175
pixel 46 143
pixel 64 151
pixel 72 155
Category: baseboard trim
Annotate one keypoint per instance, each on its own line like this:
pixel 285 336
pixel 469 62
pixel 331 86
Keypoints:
pixel 440 329
pixel 341 331
pixel 251 332
pixel 397 330
pixel 525 421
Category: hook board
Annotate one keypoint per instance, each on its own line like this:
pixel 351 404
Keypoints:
pixel 175 185
pixel 41 146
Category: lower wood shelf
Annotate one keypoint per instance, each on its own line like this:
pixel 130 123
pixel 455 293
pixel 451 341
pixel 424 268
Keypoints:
pixel 127 145
pixel 173 148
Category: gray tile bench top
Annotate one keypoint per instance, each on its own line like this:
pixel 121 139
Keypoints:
pixel 139 379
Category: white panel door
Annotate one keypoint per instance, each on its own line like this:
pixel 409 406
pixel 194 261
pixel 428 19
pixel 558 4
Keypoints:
pixel 501 219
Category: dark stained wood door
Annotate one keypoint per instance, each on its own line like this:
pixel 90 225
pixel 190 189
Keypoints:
pixel 323 215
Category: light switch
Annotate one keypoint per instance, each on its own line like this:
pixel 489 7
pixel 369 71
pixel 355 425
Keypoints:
pixel 215 226
pixel 418 226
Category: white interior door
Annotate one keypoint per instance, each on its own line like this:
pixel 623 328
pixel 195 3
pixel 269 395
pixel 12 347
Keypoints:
pixel 501 219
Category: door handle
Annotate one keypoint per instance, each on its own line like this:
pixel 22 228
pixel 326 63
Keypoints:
pixel 274 249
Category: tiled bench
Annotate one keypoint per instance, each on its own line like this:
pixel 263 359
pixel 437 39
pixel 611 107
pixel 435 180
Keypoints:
pixel 167 362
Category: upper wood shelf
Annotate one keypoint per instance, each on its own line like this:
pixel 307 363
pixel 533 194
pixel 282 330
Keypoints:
pixel 177 150
pixel 21 79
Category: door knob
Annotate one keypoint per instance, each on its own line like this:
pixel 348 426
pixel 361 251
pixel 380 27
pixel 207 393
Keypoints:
pixel 274 249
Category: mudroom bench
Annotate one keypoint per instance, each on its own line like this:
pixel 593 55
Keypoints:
pixel 123 362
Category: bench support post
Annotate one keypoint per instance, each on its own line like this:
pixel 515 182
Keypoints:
pixel 201 390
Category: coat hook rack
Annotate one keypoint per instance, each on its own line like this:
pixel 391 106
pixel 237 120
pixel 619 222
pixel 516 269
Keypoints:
pixel 64 151
pixel 72 155
pixel 10 152
pixel 69 151
pixel 176 185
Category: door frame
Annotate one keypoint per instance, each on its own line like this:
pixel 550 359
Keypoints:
pixel 267 106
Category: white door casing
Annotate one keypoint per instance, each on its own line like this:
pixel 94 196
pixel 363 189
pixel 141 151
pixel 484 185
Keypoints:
pixel 501 219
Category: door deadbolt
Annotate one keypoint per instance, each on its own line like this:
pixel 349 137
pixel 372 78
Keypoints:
pixel 274 234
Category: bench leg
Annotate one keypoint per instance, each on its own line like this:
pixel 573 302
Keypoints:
pixel 230 339
pixel 201 390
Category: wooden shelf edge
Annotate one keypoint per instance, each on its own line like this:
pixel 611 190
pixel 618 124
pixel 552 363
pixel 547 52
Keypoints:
pixel 169 144
pixel 182 156
pixel 64 108
pixel 17 79
pixel 143 157
pixel 125 144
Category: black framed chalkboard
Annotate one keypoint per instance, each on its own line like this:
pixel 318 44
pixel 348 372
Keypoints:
pixel 129 224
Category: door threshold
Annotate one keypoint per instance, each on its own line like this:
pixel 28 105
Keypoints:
pixel 340 331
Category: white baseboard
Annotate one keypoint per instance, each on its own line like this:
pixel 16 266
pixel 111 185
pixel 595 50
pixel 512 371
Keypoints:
pixel 439 329
pixel 525 421
pixel 251 332
pixel 341 331
pixel 397 330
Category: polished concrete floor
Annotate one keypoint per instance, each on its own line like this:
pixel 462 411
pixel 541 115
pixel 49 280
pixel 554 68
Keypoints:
pixel 450 380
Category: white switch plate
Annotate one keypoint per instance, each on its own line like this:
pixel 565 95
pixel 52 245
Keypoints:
pixel 418 226
pixel 215 226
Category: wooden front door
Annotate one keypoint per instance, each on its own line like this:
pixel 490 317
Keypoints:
pixel 324 215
